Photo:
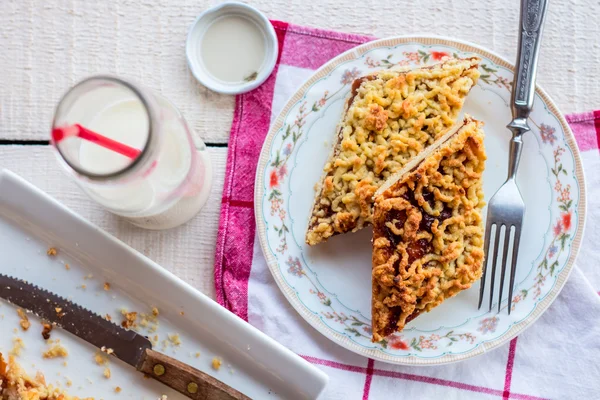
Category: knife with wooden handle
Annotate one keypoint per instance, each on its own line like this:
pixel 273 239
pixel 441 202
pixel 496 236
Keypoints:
pixel 127 345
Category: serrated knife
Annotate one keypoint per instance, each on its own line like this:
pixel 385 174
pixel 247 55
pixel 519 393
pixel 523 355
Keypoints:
pixel 127 345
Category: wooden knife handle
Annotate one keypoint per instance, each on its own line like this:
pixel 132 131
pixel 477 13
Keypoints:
pixel 185 379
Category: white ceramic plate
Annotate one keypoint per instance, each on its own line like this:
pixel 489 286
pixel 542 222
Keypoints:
pixel 31 221
pixel 330 284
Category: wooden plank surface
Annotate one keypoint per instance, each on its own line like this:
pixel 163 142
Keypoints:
pixel 47 46
pixel 187 251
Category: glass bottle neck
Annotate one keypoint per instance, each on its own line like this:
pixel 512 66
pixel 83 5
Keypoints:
pixel 113 111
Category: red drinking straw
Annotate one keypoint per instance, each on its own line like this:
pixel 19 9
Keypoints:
pixel 77 130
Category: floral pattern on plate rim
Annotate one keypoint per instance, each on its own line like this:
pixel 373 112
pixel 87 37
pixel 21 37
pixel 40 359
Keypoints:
pixel 353 324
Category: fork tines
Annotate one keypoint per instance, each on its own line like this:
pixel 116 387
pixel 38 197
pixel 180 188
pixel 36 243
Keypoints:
pixel 507 230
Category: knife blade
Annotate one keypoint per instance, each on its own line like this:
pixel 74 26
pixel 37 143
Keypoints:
pixel 94 329
pixel 127 345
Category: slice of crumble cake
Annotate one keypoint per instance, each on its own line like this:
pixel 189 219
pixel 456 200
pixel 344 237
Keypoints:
pixel 390 117
pixel 427 229
pixel 15 384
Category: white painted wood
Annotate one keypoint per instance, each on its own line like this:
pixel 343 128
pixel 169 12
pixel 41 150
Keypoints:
pixel 188 251
pixel 47 46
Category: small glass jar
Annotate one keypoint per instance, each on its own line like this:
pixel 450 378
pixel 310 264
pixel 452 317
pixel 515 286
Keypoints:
pixel 163 186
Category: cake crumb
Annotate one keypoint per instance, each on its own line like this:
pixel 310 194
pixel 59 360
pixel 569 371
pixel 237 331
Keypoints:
pixel 118 389
pixel 67 266
pixel 18 345
pixel 64 364
pixel 69 382
pixel 106 373
pixel 55 351
pixel 51 251
pixel 130 319
pixel 197 355
pixel 216 363
pixel 106 350
pixel 25 324
pixel 84 286
pixel 175 340
pixel 108 317
pixel 155 311
pixel 46 331
pixel 106 286
pixel 100 358
pixel 181 313
pixel 88 276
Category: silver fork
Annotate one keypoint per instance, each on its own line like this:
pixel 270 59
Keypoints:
pixel 506 208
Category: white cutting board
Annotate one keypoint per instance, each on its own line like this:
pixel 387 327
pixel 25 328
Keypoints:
pixel 31 222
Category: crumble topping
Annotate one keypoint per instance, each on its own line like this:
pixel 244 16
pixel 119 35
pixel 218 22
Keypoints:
pixel 52 251
pixel 390 117
pixel 428 232
pixel 216 363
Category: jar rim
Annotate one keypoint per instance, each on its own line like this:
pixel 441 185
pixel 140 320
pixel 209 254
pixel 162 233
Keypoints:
pixel 145 151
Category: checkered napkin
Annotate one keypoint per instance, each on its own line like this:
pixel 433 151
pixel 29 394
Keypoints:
pixel 555 358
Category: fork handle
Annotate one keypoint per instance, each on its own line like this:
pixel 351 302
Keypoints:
pixel 514 155
pixel 531 22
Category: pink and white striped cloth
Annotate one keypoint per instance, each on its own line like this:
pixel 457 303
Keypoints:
pixel 556 358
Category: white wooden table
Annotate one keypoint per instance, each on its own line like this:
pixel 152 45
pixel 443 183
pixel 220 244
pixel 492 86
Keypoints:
pixel 46 46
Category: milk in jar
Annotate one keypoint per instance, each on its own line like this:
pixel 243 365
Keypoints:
pixel 166 185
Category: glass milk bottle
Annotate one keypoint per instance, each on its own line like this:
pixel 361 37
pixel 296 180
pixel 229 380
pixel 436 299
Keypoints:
pixel 132 152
